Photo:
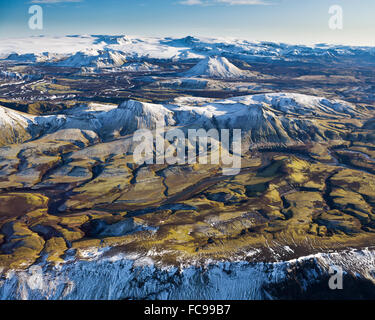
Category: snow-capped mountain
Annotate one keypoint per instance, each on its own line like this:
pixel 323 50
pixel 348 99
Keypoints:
pixel 252 111
pixel 110 50
pixel 265 118
pixel 132 67
pixel 139 67
pixel 35 57
pixel 216 67
pixel 105 120
pixel 94 58
pixel 14 126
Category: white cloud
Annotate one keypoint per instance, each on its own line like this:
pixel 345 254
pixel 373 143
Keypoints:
pixel 228 2
pixel 243 2
pixel 54 1
pixel 192 2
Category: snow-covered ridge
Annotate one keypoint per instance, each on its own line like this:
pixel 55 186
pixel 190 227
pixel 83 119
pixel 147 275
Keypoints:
pixel 17 76
pixel 136 277
pixel 51 49
pixel 12 118
pixel 277 113
pixel 94 58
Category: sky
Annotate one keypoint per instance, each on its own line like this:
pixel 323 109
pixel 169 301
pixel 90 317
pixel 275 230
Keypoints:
pixel 291 21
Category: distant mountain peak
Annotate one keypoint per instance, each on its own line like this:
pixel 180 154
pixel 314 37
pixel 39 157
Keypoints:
pixel 215 67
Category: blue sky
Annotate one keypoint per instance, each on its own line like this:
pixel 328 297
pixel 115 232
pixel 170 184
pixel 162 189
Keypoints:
pixel 294 21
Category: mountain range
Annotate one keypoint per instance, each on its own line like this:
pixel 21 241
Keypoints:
pixel 266 118
pixel 104 50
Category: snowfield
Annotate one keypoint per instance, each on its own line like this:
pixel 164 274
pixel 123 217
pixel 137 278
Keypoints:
pixel 80 49
pixel 130 277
